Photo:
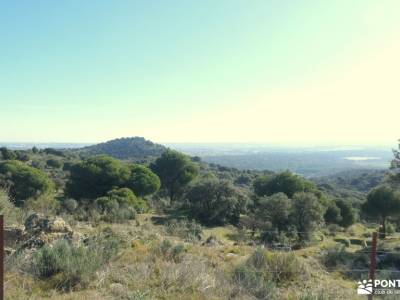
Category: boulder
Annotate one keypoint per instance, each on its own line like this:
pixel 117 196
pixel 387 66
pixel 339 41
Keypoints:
pixel 39 223
pixel 41 230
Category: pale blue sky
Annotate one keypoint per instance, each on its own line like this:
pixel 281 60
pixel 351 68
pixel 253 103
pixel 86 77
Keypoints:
pixel 200 71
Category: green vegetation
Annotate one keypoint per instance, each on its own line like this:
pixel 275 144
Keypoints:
pixel 95 176
pixel 175 170
pixel 175 227
pixel 142 180
pixel 215 202
pixel 136 148
pixel 23 181
pixel 65 266
pixel 285 182
pixel 382 203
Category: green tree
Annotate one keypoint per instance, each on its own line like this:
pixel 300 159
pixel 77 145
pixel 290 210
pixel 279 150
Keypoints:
pixel 7 154
pixel 215 202
pixel 54 163
pixel 24 181
pixel 285 182
pixel 382 202
pixel 347 213
pixel 307 214
pixel 175 171
pixel 274 209
pixel 261 185
pixel 332 214
pixel 142 180
pixel 95 176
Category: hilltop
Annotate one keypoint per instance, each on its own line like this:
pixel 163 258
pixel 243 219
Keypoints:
pixel 129 148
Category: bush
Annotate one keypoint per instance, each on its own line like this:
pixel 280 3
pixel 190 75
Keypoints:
pixel 188 230
pixel 122 197
pixel 12 215
pixel 54 163
pixel 70 205
pixel 390 228
pixel 95 176
pixel 254 283
pixel 169 251
pixel 215 202
pixel 333 229
pixel 66 266
pixel 335 256
pixel 262 270
pixel 45 204
pixel 24 181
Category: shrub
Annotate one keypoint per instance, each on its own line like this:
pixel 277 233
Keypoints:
pixel 263 270
pixel 70 204
pixel 254 282
pixel 12 215
pixel 284 267
pixel 390 228
pixel 333 229
pixel 122 197
pixel 176 252
pixel 24 181
pixel 67 266
pixel 215 202
pixel 54 163
pixel 334 257
pixel 95 176
pixel 187 230
pixel 169 251
pixel 45 204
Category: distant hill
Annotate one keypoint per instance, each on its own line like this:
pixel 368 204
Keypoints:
pixel 357 180
pixel 133 148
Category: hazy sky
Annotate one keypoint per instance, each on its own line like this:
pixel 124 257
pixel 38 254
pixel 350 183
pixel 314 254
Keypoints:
pixel 200 71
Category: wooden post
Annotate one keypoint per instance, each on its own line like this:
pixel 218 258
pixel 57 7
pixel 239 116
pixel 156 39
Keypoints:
pixel 372 264
pixel 1 257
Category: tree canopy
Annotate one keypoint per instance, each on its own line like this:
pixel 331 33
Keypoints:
pixel 142 180
pixel 285 182
pixel 95 176
pixel 175 171
pixel 215 202
pixel 382 202
pixel 23 181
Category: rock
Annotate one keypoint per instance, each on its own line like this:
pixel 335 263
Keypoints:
pixel 13 235
pixel 39 223
pixel 42 230
pixel 34 222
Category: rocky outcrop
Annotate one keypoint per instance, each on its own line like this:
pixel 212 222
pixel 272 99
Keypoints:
pixel 38 231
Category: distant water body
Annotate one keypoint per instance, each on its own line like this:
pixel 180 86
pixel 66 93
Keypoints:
pixel 362 158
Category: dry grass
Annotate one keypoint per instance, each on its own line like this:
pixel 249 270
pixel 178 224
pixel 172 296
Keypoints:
pixel 142 271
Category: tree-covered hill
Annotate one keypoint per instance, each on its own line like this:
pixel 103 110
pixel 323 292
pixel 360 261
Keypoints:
pixel 356 180
pixel 133 148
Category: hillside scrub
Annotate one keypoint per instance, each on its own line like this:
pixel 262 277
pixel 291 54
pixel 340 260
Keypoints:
pixel 23 181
